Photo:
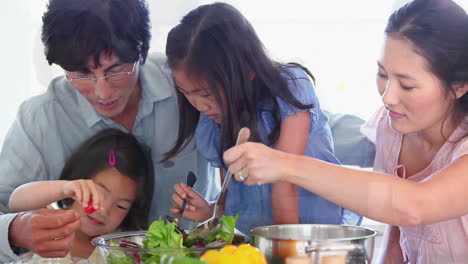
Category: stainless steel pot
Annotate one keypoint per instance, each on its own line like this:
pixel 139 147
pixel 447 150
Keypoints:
pixel 322 243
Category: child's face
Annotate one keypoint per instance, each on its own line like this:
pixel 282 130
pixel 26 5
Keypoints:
pixel 119 192
pixel 198 94
pixel 414 97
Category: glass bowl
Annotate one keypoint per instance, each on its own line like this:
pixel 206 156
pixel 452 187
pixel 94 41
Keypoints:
pixel 39 260
pixel 128 255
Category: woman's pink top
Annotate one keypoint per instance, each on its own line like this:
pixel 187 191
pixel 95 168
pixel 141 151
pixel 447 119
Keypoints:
pixel 439 243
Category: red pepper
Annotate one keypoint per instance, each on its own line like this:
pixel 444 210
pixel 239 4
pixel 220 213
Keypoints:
pixel 89 209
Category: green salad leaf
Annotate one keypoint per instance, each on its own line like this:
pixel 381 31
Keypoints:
pixel 180 260
pixel 162 236
pixel 119 257
pixel 226 232
pixel 120 260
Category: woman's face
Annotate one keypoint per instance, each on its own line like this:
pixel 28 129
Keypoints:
pixel 198 94
pixel 414 97
pixel 119 192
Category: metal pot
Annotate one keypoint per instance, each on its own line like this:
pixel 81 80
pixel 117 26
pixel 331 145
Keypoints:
pixel 322 243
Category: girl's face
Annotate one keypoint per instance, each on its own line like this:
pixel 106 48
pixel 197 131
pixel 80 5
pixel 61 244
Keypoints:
pixel 198 94
pixel 119 192
pixel 414 97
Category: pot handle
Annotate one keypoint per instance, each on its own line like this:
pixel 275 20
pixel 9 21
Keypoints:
pixel 355 253
pixel 318 247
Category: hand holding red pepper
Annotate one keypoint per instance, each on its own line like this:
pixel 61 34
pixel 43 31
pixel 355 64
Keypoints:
pixel 85 192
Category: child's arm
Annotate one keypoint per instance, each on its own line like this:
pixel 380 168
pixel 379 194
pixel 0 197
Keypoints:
pixel 35 195
pixel 294 134
pixel 39 194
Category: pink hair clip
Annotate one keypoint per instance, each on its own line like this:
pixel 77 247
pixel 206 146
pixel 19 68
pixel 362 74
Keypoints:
pixel 111 158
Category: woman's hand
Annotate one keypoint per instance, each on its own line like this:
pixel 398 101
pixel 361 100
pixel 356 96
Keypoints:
pixel 85 192
pixel 197 208
pixel 255 163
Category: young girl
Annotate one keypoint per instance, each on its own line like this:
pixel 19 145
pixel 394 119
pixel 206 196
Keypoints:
pixel 226 81
pixel 108 181
pixel 420 133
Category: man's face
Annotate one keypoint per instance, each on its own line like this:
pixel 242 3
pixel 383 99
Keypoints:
pixel 110 97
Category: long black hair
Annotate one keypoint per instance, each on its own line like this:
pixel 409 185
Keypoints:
pixel 74 30
pixel 132 160
pixel 216 43
pixel 438 29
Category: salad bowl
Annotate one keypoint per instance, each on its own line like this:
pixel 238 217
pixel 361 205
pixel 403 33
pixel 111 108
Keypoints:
pixel 40 260
pixel 163 240
pixel 122 248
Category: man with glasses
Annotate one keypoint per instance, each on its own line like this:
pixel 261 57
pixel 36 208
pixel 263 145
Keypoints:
pixel 110 82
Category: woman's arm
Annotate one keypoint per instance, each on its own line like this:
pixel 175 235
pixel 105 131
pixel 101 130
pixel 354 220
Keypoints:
pixel 294 134
pixel 39 194
pixel 382 197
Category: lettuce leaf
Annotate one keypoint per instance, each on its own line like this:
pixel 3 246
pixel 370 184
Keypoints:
pixel 162 236
pixel 180 260
pixel 118 257
pixel 226 232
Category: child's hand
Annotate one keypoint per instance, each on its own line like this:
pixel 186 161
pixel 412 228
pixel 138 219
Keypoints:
pixel 197 208
pixel 84 192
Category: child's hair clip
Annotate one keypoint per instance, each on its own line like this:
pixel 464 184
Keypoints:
pixel 111 158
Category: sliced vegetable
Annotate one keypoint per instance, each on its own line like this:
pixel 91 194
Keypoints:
pixel 90 209
pixel 226 232
pixel 230 254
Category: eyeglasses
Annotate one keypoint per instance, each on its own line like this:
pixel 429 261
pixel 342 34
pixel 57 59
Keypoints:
pixel 113 78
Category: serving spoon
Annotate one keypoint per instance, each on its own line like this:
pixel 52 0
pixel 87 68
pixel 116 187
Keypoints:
pixel 213 224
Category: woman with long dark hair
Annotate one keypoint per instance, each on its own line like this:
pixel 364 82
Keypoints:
pixel 420 134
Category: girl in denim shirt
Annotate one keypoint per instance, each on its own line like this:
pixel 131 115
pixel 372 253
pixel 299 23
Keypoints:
pixel 226 81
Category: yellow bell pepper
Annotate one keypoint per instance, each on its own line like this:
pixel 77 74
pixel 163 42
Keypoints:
pixel 230 254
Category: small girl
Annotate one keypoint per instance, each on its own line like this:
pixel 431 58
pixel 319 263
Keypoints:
pixel 108 181
pixel 226 81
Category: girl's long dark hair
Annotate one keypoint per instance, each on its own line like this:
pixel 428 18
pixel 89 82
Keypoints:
pixel 132 160
pixel 216 44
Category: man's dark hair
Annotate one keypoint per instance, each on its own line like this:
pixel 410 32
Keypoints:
pixel 132 160
pixel 74 30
